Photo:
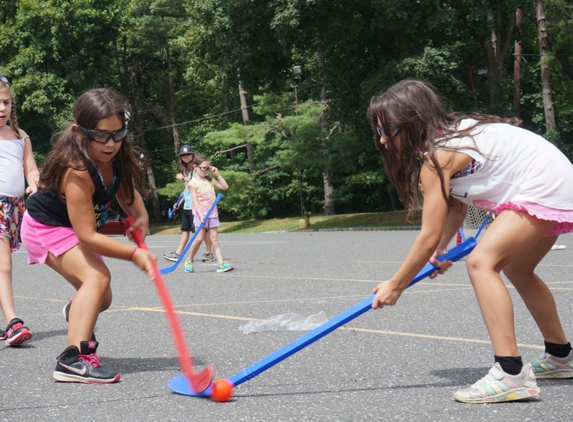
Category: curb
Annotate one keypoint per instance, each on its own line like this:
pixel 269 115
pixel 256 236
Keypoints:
pixel 360 229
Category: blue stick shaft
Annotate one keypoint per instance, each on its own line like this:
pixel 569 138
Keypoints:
pixel 171 268
pixel 454 254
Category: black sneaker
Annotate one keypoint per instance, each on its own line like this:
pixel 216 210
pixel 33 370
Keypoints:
pixel 208 257
pixel 16 333
pixel 83 366
pixel 66 313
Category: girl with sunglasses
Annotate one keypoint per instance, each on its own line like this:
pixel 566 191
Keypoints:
pixel 17 166
pixel 91 163
pixel 448 161
pixel 202 188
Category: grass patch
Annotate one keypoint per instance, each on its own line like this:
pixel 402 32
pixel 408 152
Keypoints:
pixel 382 219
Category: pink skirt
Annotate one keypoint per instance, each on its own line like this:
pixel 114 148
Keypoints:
pixel 40 239
pixel 564 218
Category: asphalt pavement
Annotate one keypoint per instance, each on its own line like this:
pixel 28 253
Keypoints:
pixel 399 363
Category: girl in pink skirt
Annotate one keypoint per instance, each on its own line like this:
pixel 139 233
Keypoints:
pixel 449 161
pixel 92 163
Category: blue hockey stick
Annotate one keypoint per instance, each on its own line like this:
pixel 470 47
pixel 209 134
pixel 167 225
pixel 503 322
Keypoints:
pixel 180 385
pixel 171 211
pixel 171 268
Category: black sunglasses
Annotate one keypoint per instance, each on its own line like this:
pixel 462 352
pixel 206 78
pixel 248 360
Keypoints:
pixel 394 131
pixel 5 80
pixel 102 136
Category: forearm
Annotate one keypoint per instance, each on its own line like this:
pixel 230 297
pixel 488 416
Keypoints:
pixel 419 255
pixel 454 220
pixel 106 246
pixel 33 177
pixel 222 182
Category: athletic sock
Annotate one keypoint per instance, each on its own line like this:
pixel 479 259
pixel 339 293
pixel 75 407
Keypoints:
pixel 557 350
pixel 511 365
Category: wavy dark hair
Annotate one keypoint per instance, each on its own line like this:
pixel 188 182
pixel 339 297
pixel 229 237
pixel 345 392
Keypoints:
pixel 70 149
pixel 419 109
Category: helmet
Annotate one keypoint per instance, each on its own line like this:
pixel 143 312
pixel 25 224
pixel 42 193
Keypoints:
pixel 186 149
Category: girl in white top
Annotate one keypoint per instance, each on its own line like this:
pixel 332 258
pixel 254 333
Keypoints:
pixel 17 166
pixel 485 161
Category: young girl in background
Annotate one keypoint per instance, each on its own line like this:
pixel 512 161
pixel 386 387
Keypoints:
pixel 92 162
pixel 202 189
pixel 186 157
pixel 448 161
pixel 17 166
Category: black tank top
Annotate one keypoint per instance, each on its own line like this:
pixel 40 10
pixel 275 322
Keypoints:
pixel 47 207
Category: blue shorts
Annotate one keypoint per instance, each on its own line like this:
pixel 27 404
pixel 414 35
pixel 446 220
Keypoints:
pixel 209 224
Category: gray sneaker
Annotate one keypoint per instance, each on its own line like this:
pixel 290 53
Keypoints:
pixel 497 386
pixel 173 256
pixel 208 257
pixel 548 366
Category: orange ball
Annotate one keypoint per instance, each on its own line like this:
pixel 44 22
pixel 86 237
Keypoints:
pixel 222 390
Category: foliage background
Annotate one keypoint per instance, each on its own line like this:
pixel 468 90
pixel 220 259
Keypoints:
pixel 179 63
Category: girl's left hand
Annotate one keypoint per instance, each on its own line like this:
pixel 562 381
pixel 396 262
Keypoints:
pixel 442 266
pixel 139 223
pixel 30 190
pixel 214 170
pixel 387 294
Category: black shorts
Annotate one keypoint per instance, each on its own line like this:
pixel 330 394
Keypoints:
pixel 187 221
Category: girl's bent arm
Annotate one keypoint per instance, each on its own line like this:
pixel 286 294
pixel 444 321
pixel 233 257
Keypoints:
pixel 220 183
pixel 79 188
pixel 434 213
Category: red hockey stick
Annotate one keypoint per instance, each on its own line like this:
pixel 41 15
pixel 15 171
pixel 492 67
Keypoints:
pixel 202 380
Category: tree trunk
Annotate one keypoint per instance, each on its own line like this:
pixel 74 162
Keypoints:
pixel 545 72
pixel 496 50
pixel 246 122
pixel 172 101
pixel 517 68
pixel 329 206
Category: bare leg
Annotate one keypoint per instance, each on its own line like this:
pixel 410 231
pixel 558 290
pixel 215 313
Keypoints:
pixel 196 244
pixel 512 234
pixel 6 291
pixel 534 291
pixel 182 242
pixel 215 244
pixel 208 246
pixel 86 271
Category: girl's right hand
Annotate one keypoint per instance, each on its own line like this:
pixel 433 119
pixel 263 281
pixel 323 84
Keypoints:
pixel 144 259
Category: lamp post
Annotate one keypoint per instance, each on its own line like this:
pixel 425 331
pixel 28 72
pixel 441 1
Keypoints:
pixel 297 72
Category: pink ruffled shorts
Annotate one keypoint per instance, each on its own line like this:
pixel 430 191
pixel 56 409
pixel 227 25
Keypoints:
pixel 40 239
pixel 564 218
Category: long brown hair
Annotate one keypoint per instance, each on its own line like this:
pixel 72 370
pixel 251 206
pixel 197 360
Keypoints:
pixel 418 108
pixel 71 147
pixel 13 117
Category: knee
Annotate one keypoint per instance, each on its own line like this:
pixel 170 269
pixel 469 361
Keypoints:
pixel 99 281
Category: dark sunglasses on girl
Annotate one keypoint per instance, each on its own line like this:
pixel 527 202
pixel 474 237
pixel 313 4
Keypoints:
pixel 102 136
pixel 394 131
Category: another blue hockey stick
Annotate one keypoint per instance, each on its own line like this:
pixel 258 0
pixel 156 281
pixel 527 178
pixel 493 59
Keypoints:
pixel 180 385
pixel 171 268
